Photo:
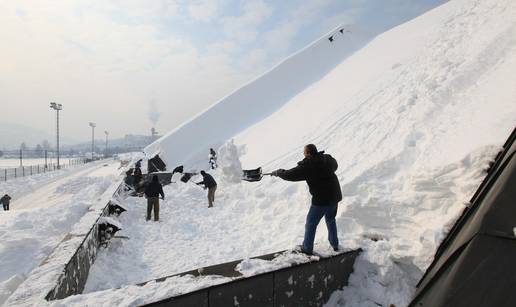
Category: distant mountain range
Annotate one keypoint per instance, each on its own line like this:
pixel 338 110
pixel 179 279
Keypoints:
pixel 13 135
pixel 129 141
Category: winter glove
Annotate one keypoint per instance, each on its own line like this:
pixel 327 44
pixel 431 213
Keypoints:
pixel 277 172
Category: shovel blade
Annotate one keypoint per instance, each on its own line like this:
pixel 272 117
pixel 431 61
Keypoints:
pixel 252 174
pixel 186 177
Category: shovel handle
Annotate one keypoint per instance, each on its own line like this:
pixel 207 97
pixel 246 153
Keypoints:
pixel 265 174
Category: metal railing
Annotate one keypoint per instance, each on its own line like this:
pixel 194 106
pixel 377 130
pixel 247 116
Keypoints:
pixel 9 173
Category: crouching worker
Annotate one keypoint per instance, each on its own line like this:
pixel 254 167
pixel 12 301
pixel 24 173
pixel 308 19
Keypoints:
pixel 318 170
pixel 152 192
pixel 211 184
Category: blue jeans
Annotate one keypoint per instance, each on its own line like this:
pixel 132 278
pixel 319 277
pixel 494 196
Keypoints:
pixel 313 218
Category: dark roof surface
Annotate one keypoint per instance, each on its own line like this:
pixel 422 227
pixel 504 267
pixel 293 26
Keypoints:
pixel 475 265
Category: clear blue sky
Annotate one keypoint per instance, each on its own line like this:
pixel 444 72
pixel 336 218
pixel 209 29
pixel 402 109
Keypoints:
pixel 117 62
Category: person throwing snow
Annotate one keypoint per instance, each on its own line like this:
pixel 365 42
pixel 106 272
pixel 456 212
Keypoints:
pixel 211 185
pixel 318 170
pixel 152 192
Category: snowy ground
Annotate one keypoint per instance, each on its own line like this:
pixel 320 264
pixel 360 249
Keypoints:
pixel 19 187
pixel 413 119
pixel 43 210
pixel 247 221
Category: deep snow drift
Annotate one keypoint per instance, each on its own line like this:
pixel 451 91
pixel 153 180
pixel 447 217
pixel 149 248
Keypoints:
pixel 413 119
pixel 257 99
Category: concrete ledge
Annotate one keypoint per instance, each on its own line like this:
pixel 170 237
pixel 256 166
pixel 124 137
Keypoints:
pixel 302 281
pixel 65 271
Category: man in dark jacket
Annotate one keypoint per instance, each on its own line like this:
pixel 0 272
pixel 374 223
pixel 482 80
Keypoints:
pixel 137 178
pixel 318 170
pixel 211 184
pixel 129 177
pixel 5 200
pixel 152 192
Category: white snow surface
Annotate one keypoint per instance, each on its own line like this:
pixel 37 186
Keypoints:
pixel 44 209
pixel 229 163
pixel 413 119
pixel 257 99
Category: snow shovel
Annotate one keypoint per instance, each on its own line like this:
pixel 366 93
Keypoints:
pixel 252 175
pixel 178 169
pixel 186 177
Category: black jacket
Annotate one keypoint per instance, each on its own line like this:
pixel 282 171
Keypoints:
pixel 208 181
pixel 154 189
pixel 319 173
pixel 5 200
pixel 137 172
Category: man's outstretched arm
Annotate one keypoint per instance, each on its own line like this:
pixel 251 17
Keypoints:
pixel 297 173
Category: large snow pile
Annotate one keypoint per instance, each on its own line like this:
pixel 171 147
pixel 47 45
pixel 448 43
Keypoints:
pixel 229 163
pixel 257 99
pixel 413 119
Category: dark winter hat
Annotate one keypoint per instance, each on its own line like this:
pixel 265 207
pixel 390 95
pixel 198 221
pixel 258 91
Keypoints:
pixel 203 173
pixel 312 150
pixel 155 178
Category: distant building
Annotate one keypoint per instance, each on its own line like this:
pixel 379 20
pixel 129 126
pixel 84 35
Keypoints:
pixel 154 134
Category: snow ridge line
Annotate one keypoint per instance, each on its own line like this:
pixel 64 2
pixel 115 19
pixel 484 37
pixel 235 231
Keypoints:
pixel 64 272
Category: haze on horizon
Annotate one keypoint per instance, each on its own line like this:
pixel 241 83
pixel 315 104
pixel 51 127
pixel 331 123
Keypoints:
pixel 132 65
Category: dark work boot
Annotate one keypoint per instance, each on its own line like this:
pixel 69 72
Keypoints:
pixel 300 248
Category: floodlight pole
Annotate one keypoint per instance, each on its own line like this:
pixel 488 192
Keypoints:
pixel 92 125
pixel 58 107
pixel 107 133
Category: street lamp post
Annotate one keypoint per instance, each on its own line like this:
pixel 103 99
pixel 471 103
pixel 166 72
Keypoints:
pixel 58 107
pixel 92 125
pixel 106 152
